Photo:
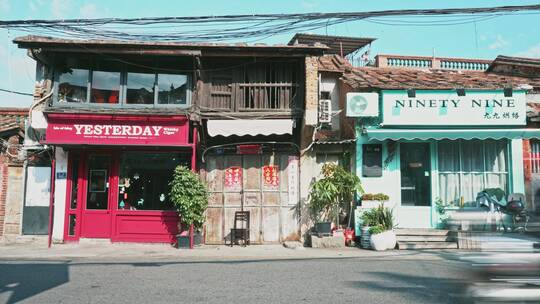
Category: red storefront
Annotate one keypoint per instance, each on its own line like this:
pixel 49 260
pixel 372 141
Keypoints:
pixel 118 169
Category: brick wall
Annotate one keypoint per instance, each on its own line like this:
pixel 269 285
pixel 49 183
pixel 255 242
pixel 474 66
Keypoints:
pixel 3 191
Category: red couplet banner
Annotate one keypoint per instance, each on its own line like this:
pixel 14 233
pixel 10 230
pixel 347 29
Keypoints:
pixel 133 130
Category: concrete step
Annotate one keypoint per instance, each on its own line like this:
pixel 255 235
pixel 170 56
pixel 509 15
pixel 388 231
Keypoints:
pixel 426 245
pixel 425 238
pixel 422 231
pixel 92 241
pixel 25 239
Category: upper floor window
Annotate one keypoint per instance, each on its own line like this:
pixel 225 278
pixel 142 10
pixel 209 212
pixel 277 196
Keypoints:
pixel 121 88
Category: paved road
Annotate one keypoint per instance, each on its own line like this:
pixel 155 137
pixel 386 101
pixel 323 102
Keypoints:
pixel 347 280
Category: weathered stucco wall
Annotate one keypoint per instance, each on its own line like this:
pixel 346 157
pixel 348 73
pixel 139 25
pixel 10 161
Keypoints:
pixel 14 200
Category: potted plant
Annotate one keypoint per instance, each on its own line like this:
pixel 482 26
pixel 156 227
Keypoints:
pixel 190 197
pixel 372 200
pixel 331 195
pixel 381 222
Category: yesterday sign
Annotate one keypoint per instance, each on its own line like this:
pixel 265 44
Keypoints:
pixel 476 108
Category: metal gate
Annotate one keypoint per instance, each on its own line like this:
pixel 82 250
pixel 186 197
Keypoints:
pixel 265 185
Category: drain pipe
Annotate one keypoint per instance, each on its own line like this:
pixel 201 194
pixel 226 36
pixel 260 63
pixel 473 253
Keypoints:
pixel 51 199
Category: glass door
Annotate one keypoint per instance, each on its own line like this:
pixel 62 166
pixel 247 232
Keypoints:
pixel 415 174
pixel 96 212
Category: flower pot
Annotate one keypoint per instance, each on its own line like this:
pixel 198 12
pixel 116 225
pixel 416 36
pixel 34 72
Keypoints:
pixel 323 228
pixel 383 241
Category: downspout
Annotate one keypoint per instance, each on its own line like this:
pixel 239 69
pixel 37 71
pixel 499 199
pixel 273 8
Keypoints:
pixel 51 199
pixel 194 169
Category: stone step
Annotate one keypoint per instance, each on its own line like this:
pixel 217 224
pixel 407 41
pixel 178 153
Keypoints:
pixel 426 245
pixel 92 241
pixel 425 238
pixel 421 231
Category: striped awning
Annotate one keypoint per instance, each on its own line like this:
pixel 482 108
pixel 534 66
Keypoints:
pixel 451 134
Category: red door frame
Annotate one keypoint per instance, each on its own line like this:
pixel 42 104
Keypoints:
pixel 113 190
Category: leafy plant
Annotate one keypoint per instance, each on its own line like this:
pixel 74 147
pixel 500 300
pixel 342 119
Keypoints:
pixel 336 188
pixel 376 230
pixel 189 195
pixel 440 208
pixel 381 217
pixel 375 197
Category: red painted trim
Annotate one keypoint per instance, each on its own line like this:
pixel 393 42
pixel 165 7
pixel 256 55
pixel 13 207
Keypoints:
pixel 51 201
pixel 69 188
pixel 194 151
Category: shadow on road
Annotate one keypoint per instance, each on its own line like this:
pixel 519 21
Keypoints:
pixel 431 289
pixel 25 280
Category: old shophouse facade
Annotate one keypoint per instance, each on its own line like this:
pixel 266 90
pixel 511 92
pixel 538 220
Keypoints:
pixel 122 115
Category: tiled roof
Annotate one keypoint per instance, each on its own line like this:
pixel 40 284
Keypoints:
pixel 337 44
pixel 432 79
pixel 12 118
pixel 333 63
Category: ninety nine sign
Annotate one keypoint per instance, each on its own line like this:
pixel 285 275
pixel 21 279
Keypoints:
pixel 117 130
pixel 440 108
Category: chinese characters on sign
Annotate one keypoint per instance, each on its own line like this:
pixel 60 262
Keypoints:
pixel 233 177
pixel 271 175
pixel 293 179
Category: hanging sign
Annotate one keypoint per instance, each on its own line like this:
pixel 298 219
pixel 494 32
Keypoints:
pixel 293 179
pixel 446 108
pixel 117 130
pixel 271 175
pixel 233 177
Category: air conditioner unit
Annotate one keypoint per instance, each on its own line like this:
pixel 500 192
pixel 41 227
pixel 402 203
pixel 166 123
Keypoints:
pixel 325 111
pixel 362 105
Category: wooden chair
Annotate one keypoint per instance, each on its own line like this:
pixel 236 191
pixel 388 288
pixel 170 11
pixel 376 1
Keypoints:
pixel 240 230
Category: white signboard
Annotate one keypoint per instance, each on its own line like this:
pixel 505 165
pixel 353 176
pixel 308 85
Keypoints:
pixel 37 186
pixel 362 104
pixel 293 179
pixel 446 108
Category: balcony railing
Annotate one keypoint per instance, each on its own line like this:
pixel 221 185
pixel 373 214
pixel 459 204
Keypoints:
pixel 424 62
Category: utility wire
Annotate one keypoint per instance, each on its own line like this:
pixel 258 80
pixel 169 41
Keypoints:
pixel 230 27
pixel 16 92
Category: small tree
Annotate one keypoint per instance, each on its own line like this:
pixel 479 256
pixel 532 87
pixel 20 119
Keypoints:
pixel 336 188
pixel 190 197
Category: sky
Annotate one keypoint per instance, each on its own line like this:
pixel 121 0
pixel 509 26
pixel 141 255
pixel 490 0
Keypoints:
pixel 513 35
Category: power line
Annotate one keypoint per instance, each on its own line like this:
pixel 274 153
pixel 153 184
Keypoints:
pixel 228 27
pixel 16 92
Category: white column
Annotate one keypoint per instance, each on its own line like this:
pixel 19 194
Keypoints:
pixel 59 196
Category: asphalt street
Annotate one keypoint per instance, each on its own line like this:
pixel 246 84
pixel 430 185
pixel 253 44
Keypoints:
pixel 336 280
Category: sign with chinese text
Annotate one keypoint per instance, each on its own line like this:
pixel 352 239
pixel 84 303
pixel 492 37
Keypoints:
pixel 233 178
pixel 271 175
pixel 293 179
pixel 446 108
pixel 117 130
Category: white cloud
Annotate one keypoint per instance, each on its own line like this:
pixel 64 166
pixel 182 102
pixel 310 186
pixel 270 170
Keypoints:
pixel 532 52
pixel 59 8
pixel 5 6
pixel 88 10
pixel 499 43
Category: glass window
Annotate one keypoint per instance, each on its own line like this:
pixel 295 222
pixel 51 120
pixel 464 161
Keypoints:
pixel 140 88
pixel 73 86
pixel 105 87
pixel 172 89
pixel 144 180
pixel 467 167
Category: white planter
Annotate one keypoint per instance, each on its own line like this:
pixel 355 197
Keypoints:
pixel 373 204
pixel 383 241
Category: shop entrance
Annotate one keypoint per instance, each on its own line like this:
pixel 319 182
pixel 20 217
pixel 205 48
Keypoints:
pixel 96 211
pixel 415 174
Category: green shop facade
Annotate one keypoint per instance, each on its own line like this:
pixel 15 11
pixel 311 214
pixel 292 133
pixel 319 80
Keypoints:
pixel 424 146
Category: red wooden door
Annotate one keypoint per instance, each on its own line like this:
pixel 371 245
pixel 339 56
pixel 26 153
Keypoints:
pixel 96 210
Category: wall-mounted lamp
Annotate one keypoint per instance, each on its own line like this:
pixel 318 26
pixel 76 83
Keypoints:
pixel 460 92
pixel 411 93
pixel 508 92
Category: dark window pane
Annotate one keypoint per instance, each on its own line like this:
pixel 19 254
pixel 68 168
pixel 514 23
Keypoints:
pixel 72 223
pixel 105 87
pixel 473 156
pixel 140 88
pixel 144 180
pixel 72 86
pixel 74 181
pixel 172 89
pixel 98 182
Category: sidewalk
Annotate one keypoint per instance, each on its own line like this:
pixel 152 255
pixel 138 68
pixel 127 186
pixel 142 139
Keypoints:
pixel 140 252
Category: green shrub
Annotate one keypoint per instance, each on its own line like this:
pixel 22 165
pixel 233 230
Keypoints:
pixel 189 195
pixel 376 230
pixel 379 217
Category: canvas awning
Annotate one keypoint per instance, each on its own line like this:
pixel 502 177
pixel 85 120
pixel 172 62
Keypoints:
pixel 250 127
pixel 452 134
